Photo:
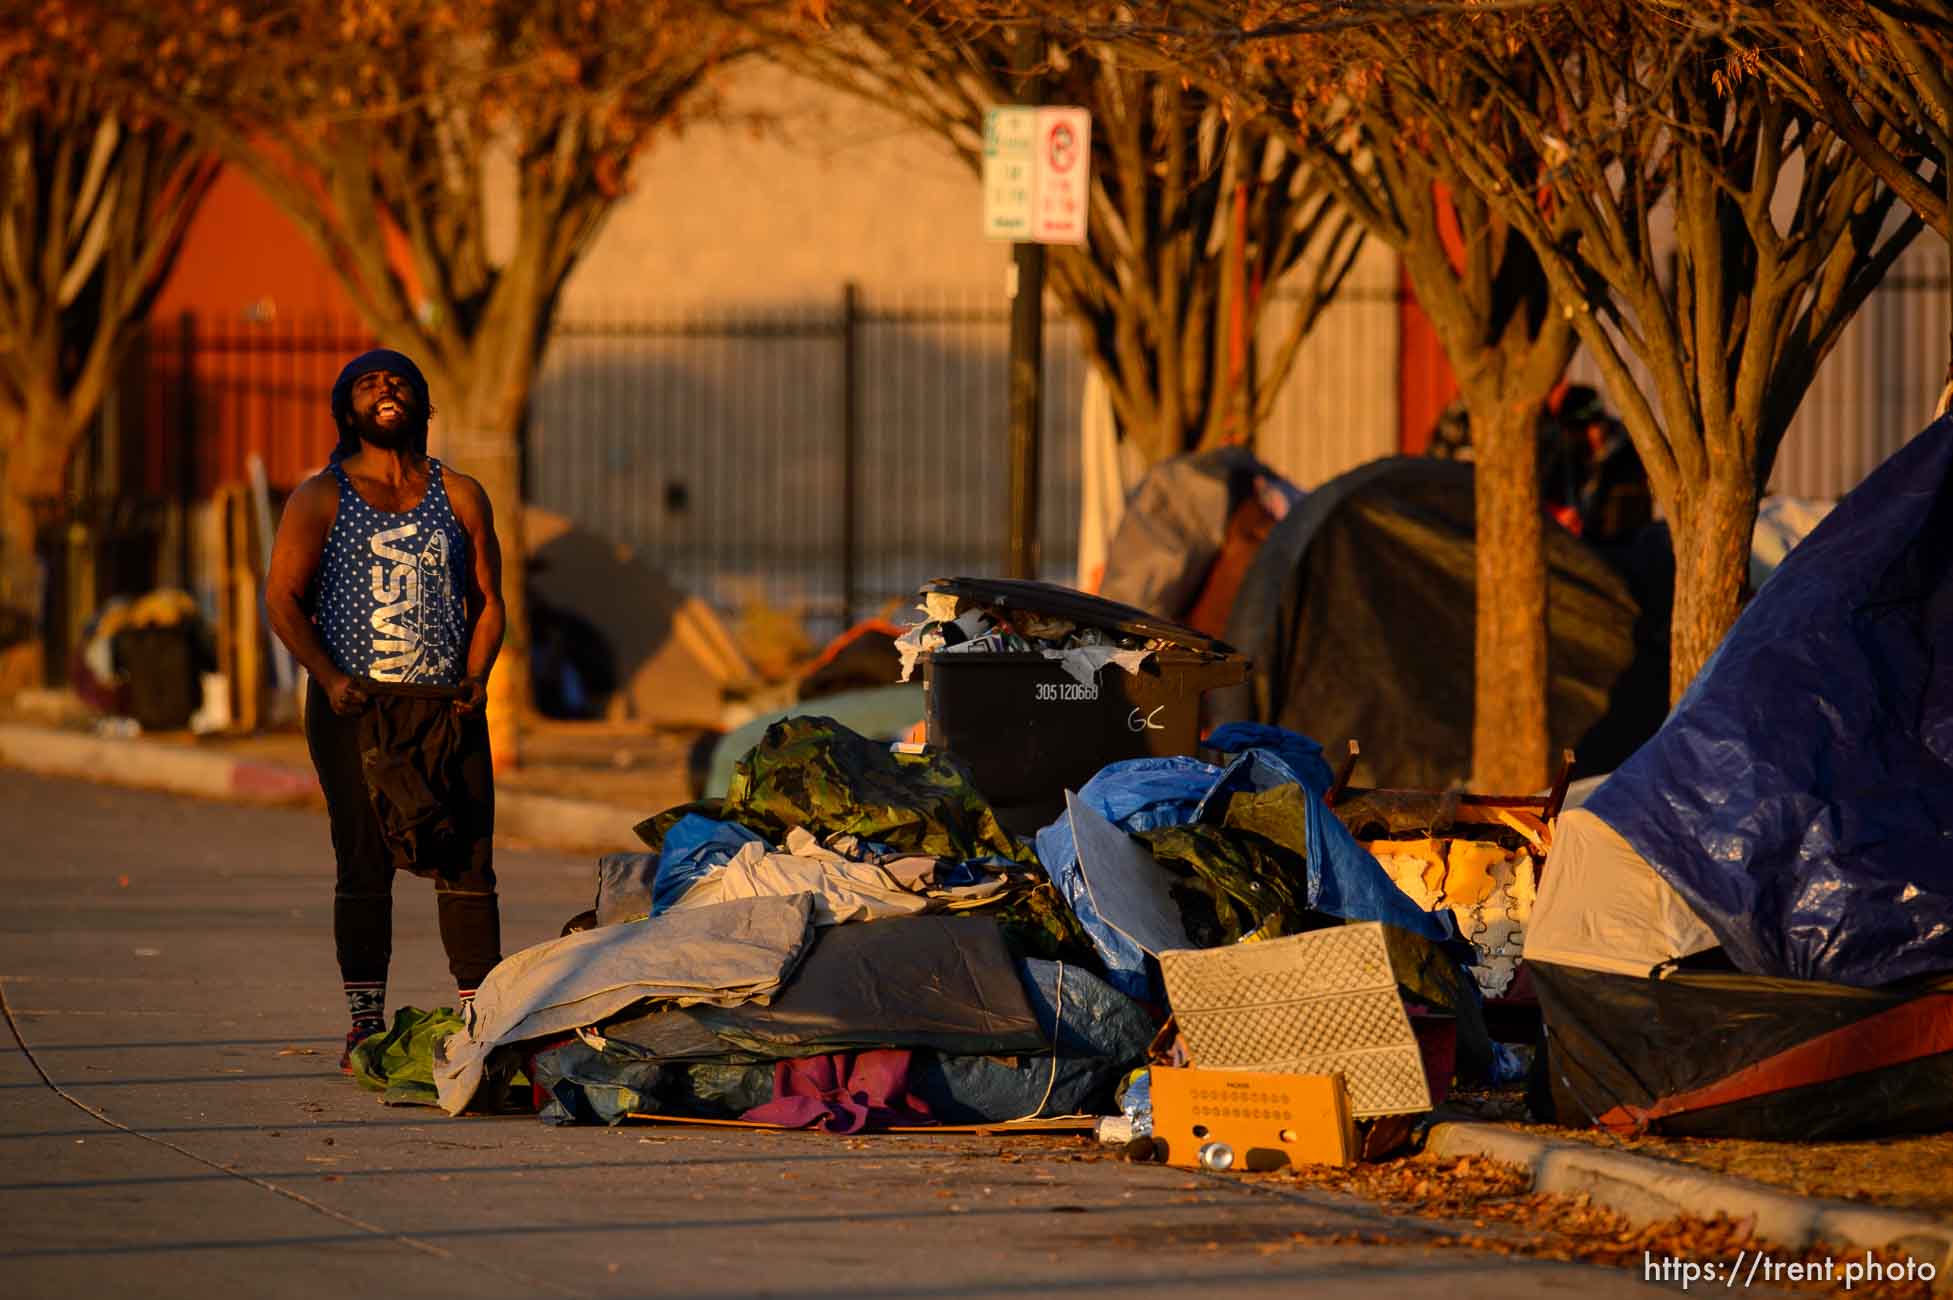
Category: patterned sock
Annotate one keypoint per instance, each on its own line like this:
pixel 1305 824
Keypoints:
pixel 367 1002
pixel 466 998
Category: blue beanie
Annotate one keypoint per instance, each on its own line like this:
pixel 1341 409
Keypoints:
pixel 365 364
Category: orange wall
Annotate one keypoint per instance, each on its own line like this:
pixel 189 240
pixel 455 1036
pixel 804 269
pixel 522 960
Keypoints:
pixel 1424 379
pixel 242 254
pixel 1425 384
pixel 269 329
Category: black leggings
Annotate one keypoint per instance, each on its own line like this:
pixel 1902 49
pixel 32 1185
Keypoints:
pixel 362 905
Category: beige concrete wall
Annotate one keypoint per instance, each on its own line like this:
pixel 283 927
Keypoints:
pixel 830 190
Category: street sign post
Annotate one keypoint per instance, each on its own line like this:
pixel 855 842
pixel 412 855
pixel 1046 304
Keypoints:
pixel 1063 172
pixel 1037 169
pixel 1037 174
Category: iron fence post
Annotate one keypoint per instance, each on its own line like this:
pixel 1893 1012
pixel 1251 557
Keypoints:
pixel 1026 352
pixel 186 442
pixel 850 452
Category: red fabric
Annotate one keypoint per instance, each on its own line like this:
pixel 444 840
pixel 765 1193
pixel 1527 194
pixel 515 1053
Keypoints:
pixel 1909 1032
pixel 834 648
pixel 844 1092
pixel 1247 528
pixel 1437 1045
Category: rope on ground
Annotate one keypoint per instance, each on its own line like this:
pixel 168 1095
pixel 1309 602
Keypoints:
pixel 412 1243
pixel 1057 1031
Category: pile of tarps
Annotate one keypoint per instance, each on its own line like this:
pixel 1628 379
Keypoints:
pixel 884 1024
pixel 769 958
pixel 1242 852
pixel 849 940
pixel 1748 929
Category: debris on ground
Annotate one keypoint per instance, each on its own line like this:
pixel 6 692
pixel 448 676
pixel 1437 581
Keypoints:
pixel 1489 1206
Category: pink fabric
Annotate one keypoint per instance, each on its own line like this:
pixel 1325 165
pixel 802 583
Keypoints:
pixel 844 1092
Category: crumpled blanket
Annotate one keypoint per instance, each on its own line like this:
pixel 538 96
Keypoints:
pixel 844 1092
pixel 726 954
pixel 844 889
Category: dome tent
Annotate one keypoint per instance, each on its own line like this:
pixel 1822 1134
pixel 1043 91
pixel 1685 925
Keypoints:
pixel 1359 614
pixel 1748 930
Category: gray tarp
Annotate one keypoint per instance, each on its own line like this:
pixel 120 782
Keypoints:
pixel 924 981
pixel 1175 525
pixel 725 954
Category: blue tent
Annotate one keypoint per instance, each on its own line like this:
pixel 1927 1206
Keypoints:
pixel 1800 797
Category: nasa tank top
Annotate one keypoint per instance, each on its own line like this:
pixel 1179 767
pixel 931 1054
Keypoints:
pixel 390 588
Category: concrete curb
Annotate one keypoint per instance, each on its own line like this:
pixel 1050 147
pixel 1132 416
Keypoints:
pixel 542 820
pixel 1647 1190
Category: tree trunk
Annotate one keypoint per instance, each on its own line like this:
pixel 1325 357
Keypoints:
pixel 20 572
pixel 1712 528
pixel 483 443
pixel 1509 724
pixel 30 472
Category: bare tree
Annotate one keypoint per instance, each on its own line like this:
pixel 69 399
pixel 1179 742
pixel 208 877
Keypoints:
pixel 1880 75
pixel 1622 115
pixel 1486 294
pixel 1880 72
pixel 1195 213
pixel 376 128
pixel 94 202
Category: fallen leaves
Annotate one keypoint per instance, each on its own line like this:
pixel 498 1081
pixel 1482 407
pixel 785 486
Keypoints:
pixel 1506 1217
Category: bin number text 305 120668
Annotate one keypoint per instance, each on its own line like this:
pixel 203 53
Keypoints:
pixel 1053 692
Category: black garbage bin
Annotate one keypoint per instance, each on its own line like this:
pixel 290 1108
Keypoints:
pixel 1029 731
pixel 162 667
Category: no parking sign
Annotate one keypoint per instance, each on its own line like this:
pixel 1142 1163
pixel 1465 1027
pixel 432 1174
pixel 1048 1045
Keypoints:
pixel 1037 170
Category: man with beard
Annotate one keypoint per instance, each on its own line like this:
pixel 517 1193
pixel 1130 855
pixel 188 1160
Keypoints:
pixel 385 583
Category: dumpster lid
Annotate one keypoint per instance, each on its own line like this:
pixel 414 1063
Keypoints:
pixel 1054 601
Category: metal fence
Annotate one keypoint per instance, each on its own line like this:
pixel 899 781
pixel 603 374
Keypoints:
pixel 821 459
pixel 1877 388
pixel 830 459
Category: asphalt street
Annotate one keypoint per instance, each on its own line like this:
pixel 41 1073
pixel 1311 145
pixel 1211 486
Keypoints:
pixel 177 1126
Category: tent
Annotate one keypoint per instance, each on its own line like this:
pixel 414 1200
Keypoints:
pixel 1748 929
pixel 1359 615
pixel 1648 1026
pixel 1190 528
pixel 631 646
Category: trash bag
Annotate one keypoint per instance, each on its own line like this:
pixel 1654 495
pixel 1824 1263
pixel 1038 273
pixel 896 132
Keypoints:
pixel 815 773
pixel 399 1062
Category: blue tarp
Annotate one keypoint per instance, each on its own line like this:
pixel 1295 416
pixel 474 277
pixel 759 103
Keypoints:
pixel 1344 879
pixel 1800 797
pixel 695 847
pixel 1138 794
pixel 1147 793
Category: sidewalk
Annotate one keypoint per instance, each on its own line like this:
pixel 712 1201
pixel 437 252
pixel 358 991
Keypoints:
pixel 589 786
pixel 582 786
pixel 202 1143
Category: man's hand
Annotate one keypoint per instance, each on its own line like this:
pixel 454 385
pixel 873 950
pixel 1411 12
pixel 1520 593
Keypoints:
pixel 474 696
pixel 344 694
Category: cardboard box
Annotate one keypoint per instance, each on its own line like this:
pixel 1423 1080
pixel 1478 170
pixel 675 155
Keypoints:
pixel 1256 1122
pixel 1324 1002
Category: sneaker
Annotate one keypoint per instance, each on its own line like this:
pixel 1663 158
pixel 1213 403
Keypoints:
pixel 354 1037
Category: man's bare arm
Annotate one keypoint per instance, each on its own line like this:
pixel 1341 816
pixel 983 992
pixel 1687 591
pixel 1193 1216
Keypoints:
pixel 487 619
pixel 295 558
